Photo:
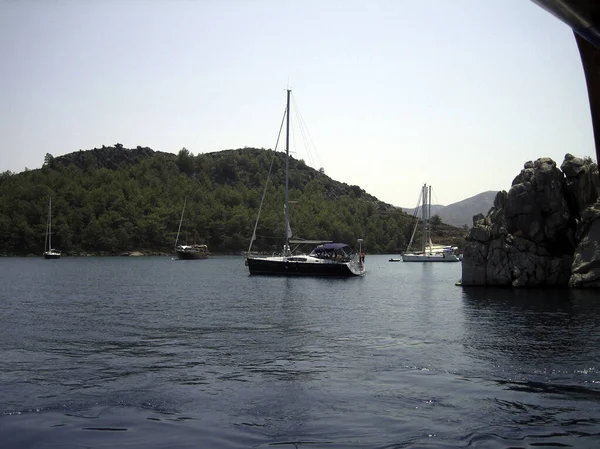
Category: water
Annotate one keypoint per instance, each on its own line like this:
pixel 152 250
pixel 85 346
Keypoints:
pixel 159 353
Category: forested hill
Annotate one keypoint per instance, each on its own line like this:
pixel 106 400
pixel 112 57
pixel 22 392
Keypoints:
pixel 107 157
pixel 114 200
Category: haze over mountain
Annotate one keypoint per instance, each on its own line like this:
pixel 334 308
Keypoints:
pixel 461 213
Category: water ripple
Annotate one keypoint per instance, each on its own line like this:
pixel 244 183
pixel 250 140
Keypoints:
pixel 151 353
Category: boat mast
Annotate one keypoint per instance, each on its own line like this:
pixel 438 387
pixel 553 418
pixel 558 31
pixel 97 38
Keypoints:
pixel 286 248
pixel 46 237
pixel 429 220
pixel 50 225
pixel 180 221
pixel 424 217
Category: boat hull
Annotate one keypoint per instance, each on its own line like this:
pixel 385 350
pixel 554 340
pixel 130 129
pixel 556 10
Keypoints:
pixel 283 267
pixel 441 257
pixel 187 255
pixel 51 256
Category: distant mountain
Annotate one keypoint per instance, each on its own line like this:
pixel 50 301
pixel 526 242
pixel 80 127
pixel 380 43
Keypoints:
pixel 435 210
pixel 461 213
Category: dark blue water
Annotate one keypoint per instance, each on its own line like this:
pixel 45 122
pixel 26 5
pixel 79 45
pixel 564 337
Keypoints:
pixel 158 353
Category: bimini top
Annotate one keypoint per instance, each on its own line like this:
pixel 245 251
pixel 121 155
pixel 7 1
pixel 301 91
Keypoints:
pixel 331 250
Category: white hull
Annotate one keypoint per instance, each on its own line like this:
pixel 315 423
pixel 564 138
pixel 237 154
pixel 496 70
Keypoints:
pixel 52 254
pixel 434 257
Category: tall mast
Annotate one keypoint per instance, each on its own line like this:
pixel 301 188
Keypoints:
pixel 50 225
pixel 429 220
pixel 180 221
pixel 287 154
pixel 424 216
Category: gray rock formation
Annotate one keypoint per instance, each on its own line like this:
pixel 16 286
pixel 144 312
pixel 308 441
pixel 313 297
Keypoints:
pixel 586 262
pixel 541 232
pixel 581 182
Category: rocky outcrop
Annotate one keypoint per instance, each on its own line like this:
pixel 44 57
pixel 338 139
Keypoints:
pixel 586 263
pixel 133 253
pixel 541 232
pixel 581 182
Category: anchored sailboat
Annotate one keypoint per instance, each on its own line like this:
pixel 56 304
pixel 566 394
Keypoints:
pixel 189 252
pixel 326 259
pixel 428 251
pixel 49 252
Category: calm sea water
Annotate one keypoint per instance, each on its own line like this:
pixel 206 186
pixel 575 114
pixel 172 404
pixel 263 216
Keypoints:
pixel 160 353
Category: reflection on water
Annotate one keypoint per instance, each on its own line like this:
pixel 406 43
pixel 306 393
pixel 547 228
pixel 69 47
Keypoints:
pixel 149 352
pixel 540 337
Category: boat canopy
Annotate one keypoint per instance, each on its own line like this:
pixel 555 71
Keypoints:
pixel 329 249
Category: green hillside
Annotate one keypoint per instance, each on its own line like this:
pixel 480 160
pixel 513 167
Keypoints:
pixel 112 200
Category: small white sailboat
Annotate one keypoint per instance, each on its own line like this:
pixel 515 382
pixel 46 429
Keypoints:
pixel 428 251
pixel 189 252
pixel 49 252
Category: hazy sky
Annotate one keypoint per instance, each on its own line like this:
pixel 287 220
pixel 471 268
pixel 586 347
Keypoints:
pixel 394 93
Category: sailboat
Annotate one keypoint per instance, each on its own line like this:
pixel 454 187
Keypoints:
pixel 189 252
pixel 49 252
pixel 428 251
pixel 326 259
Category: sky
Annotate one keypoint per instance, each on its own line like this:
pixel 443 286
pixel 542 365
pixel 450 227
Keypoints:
pixel 393 93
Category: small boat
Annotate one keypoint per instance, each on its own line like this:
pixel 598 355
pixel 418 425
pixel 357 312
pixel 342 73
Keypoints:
pixel 428 251
pixel 189 252
pixel 396 259
pixel 49 252
pixel 192 252
pixel 326 259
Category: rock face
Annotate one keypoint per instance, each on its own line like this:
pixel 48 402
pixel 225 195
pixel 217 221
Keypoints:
pixel 133 253
pixel 586 263
pixel 542 232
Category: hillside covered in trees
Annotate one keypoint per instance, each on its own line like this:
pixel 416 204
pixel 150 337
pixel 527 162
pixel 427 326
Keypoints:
pixel 112 200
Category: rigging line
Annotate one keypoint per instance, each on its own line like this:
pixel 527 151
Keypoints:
pixel 267 182
pixel 309 140
pixel 428 226
pixel 415 221
pixel 293 134
pixel 180 221
pixel 313 154
pixel 47 232
pixel 302 130
pixel 302 136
